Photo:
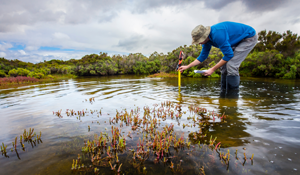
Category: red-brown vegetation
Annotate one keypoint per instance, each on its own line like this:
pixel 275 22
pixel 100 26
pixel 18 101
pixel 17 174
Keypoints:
pixel 17 80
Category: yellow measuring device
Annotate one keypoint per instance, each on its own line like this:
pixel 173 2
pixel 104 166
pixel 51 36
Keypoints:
pixel 179 78
pixel 179 73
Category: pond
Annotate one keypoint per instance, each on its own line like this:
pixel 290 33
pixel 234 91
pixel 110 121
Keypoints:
pixel 263 121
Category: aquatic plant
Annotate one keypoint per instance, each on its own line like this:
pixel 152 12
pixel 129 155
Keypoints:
pixel 3 148
pixel 155 142
pixel 27 137
pixel 172 165
pixel 58 113
pixel 119 169
pixel 217 145
pixel 92 99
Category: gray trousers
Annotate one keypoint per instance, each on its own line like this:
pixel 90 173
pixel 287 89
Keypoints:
pixel 240 52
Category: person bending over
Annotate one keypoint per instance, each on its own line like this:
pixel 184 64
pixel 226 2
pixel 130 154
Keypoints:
pixel 235 40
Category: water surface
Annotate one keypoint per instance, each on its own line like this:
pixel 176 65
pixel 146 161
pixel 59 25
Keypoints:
pixel 264 120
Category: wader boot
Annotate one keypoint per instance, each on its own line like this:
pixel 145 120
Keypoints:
pixel 223 86
pixel 232 86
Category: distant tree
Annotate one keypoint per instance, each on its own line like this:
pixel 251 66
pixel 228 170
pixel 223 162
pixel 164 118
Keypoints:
pixel 267 41
pixel 287 43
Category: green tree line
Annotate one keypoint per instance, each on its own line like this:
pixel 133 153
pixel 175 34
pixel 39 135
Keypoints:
pixel 276 55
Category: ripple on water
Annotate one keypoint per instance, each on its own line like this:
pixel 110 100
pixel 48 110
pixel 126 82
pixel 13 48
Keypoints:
pixel 274 113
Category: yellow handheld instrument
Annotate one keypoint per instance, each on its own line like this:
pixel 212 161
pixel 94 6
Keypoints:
pixel 179 73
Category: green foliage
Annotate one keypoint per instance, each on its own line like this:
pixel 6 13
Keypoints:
pixel 140 68
pixel 213 75
pixel 146 67
pixel 23 72
pixel 37 75
pixel 290 44
pixel 2 73
pixel 50 76
pixel 276 55
pixel 190 72
pixel 18 72
pixel 267 40
pixel 93 72
pixel 291 74
pixel 106 67
pixel 13 73
pixel 65 70
pixel 270 64
pixel 287 43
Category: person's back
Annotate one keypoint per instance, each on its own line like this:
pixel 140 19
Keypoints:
pixel 236 32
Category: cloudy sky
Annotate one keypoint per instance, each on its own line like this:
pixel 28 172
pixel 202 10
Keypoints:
pixel 37 30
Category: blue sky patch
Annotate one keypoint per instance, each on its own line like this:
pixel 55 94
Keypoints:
pixel 47 48
pixel 17 46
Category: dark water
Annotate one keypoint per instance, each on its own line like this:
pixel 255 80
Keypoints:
pixel 264 120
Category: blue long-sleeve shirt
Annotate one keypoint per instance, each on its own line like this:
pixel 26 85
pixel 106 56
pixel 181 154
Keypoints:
pixel 225 35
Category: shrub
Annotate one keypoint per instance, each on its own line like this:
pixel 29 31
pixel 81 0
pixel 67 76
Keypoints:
pixel 13 73
pixel 37 75
pixel 2 73
pixel 291 74
pixel 23 72
pixel 50 76
pixel 93 72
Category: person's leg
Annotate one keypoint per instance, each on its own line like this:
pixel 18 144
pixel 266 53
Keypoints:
pixel 223 77
pixel 223 81
pixel 240 53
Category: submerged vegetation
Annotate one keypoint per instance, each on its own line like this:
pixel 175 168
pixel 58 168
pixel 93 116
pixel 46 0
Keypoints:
pixel 275 55
pixel 29 137
pixel 147 140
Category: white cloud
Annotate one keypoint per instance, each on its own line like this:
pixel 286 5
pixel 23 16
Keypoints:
pixel 4 46
pixel 58 35
pixel 31 48
pixel 2 54
pixel 22 52
pixel 118 26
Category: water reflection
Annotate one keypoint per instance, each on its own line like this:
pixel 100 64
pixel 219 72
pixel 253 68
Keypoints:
pixel 263 117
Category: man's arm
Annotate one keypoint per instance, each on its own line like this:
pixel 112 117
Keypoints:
pixel 213 69
pixel 203 55
pixel 220 64
pixel 194 63
pixel 221 39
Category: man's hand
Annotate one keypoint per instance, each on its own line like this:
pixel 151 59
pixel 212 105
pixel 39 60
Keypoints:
pixel 194 63
pixel 182 68
pixel 213 69
pixel 209 72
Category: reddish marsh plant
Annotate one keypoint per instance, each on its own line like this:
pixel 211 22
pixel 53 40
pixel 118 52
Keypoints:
pixel 17 80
